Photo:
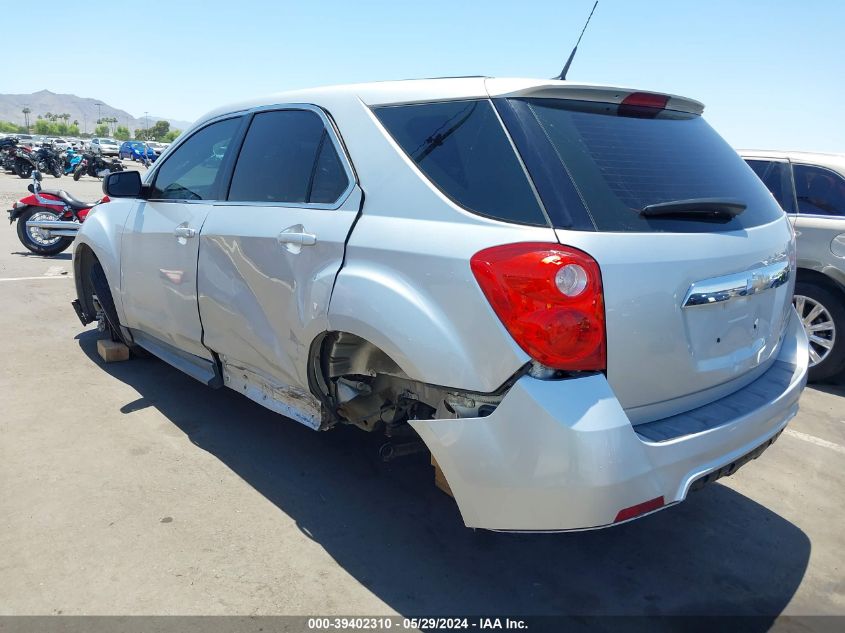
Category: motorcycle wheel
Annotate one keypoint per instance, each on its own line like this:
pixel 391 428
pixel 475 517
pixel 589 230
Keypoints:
pixel 23 169
pixel 77 173
pixel 55 169
pixel 34 239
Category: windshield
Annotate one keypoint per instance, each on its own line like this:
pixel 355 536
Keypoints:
pixel 596 168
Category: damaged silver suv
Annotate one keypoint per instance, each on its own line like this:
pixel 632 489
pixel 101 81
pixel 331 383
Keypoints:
pixel 577 296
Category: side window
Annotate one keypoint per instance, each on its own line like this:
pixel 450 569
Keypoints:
pixel 819 191
pixel 461 147
pixel 329 179
pixel 775 175
pixel 287 157
pixel 192 171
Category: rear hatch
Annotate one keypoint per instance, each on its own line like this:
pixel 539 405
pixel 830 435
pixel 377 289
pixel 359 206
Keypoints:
pixel 696 293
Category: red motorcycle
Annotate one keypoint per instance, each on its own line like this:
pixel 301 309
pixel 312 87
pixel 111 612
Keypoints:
pixel 49 220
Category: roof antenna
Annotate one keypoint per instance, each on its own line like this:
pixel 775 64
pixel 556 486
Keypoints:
pixel 565 70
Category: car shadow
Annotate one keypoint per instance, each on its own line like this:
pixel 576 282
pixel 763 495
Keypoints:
pixel 391 529
pixel 834 386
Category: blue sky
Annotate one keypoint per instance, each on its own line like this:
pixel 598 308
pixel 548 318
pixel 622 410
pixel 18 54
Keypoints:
pixel 769 71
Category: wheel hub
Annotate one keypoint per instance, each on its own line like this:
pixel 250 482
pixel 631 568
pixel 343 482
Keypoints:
pixel 819 326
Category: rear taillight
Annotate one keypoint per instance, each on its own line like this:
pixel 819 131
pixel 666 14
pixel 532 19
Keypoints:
pixel 549 297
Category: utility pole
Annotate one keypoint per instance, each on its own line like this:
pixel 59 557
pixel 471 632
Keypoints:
pixel 99 113
pixel 146 125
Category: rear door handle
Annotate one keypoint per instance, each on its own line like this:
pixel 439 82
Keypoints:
pixel 296 234
pixel 184 232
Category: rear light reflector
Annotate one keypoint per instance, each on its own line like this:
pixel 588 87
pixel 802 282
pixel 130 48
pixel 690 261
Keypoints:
pixel 641 508
pixel 549 297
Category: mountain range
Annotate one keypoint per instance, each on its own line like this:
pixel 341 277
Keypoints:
pixel 82 109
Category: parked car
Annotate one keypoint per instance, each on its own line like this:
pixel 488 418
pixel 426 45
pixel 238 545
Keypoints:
pixel 136 150
pixel 60 144
pixel 104 146
pixel 158 147
pixel 577 343
pixel 811 189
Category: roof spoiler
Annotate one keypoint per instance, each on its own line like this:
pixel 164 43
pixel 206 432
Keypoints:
pixel 582 92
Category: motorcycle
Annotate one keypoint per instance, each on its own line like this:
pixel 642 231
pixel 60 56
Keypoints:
pixel 8 154
pixel 71 161
pixel 25 163
pixel 42 159
pixel 49 220
pixel 96 166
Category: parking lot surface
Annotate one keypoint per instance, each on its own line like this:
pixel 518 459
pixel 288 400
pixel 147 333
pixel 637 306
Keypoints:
pixel 129 488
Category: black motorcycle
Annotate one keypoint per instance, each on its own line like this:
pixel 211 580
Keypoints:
pixel 8 154
pixel 42 159
pixel 96 166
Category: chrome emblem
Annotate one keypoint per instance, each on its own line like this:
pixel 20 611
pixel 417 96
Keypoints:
pixel 720 289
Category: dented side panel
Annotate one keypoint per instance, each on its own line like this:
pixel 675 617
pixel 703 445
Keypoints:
pixel 407 287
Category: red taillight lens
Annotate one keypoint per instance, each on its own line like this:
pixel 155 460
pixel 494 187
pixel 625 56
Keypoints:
pixel 549 297
pixel 644 105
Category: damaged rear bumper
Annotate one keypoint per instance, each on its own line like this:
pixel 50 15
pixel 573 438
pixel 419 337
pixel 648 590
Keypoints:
pixel 562 455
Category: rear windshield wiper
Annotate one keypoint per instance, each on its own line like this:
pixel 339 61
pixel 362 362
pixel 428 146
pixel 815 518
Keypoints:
pixel 698 208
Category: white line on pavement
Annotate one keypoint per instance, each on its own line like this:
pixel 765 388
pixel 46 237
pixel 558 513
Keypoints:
pixel 812 439
pixel 39 277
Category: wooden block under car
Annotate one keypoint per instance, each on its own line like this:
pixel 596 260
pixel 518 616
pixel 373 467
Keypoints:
pixel 439 479
pixel 112 351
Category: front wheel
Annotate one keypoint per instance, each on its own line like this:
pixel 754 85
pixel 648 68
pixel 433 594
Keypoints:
pixel 822 312
pixel 36 240
pixel 77 173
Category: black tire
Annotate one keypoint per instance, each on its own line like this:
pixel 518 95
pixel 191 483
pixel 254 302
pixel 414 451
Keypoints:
pixel 833 301
pixel 77 173
pixel 39 249
pixel 55 169
pixel 98 284
pixel 23 169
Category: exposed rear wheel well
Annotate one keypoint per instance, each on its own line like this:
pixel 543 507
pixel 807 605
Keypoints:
pixel 360 384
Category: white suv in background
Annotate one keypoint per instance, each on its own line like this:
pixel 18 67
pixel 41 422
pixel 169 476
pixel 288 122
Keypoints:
pixel 104 146
pixel 577 296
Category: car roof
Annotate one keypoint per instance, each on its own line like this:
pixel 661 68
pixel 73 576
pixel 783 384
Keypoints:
pixel 815 158
pixel 449 89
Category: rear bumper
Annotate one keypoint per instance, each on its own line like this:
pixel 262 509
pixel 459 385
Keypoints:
pixel 562 455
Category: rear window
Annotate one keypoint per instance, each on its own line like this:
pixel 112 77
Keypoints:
pixel 462 148
pixel 596 168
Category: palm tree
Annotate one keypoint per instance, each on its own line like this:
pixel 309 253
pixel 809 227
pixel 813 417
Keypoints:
pixel 26 112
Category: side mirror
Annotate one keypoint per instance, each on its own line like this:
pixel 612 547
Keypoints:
pixel 123 184
pixel 30 188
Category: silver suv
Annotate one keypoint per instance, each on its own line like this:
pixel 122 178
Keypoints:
pixel 811 188
pixel 577 297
